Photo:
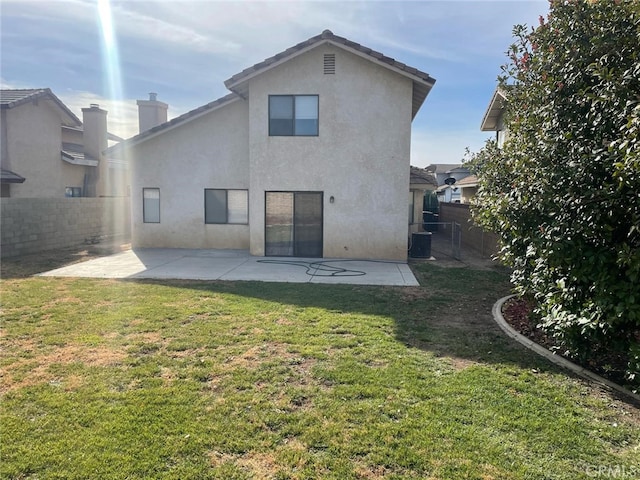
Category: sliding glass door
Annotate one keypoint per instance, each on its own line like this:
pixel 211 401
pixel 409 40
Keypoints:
pixel 293 224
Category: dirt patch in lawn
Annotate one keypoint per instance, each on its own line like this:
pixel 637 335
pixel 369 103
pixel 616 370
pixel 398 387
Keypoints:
pixel 41 367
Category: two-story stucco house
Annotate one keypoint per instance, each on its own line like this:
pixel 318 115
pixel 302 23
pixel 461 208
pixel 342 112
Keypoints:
pixel 308 156
pixel 47 152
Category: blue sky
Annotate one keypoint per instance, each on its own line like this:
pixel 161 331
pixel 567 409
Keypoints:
pixel 114 52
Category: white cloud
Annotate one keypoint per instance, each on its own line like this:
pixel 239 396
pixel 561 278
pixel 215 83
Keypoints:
pixel 122 116
pixel 4 84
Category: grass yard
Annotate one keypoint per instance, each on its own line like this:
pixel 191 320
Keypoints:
pixel 195 380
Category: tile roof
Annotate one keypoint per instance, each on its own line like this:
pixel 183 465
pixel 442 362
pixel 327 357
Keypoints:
pixel 74 154
pixel 421 176
pixel 7 176
pixel 422 81
pixel 13 98
pixel 152 132
pixel 470 181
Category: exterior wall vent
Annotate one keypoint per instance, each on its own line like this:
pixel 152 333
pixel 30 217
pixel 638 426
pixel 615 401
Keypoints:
pixel 329 63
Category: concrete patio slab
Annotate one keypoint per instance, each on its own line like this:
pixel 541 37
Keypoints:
pixel 174 263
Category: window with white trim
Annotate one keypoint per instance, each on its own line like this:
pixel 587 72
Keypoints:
pixel 226 206
pixel 293 115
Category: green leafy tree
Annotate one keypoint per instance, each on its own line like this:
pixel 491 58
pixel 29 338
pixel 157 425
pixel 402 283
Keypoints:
pixel 564 191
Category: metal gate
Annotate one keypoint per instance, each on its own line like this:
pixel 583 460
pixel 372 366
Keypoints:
pixel 455 235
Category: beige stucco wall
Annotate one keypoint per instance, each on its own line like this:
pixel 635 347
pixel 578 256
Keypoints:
pixel 418 203
pixel 467 193
pixel 360 157
pixel 208 152
pixel 33 144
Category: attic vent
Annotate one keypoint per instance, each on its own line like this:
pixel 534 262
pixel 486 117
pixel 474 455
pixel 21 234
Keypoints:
pixel 329 63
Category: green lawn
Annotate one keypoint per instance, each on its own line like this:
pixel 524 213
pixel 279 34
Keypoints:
pixel 131 379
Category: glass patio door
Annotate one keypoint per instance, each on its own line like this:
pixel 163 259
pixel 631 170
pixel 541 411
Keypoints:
pixel 293 224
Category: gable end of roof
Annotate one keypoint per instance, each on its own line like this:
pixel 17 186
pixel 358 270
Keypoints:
pixel 14 98
pixel 328 37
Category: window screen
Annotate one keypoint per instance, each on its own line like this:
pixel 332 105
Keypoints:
pixel 306 115
pixel 237 206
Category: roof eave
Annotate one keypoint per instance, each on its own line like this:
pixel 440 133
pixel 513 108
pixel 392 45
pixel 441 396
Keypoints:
pixel 66 115
pixel 87 162
pixel 7 176
pixel 494 110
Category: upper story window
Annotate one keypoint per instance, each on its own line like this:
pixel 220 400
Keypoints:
pixel 293 115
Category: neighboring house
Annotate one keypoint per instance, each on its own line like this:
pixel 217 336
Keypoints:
pixel 448 190
pixel 421 182
pixel 442 171
pixel 308 156
pixel 47 152
pixel 468 188
pixel 493 120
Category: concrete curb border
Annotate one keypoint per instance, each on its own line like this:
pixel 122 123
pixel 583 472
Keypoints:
pixel 553 358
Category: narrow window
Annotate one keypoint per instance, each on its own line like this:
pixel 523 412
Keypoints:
pixel 293 115
pixel 226 206
pixel 151 205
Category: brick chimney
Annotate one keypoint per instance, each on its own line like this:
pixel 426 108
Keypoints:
pixel 94 139
pixel 151 112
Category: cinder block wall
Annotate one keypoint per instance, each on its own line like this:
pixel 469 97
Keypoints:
pixel 31 225
pixel 485 243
